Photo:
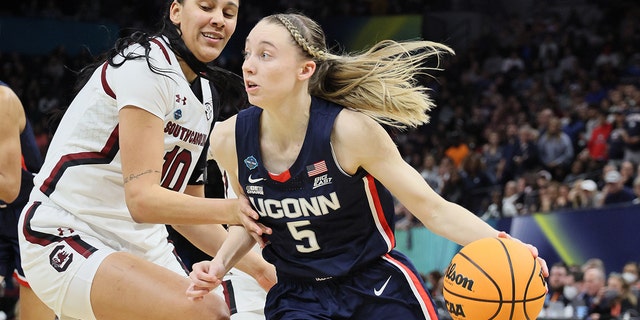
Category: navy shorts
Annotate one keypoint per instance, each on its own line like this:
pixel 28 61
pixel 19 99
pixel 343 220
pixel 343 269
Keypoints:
pixel 9 248
pixel 389 288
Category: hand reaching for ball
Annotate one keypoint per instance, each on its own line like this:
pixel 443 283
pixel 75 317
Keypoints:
pixel 534 252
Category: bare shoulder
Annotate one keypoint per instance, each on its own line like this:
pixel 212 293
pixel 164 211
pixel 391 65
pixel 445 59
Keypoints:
pixel 223 141
pixel 11 109
pixel 357 138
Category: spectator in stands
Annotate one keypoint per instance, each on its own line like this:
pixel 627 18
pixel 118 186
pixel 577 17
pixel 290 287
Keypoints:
pixel 615 143
pixel 597 141
pixel 583 193
pixel 594 282
pixel 556 149
pixel 614 191
pixel 458 149
pixel 476 184
pixel 627 171
pixel 452 188
pixel 573 283
pixel 577 171
pixel 547 197
pixel 434 282
pixel 556 282
pixel 593 263
pixel 614 300
pixel 511 199
pixel 542 120
pixel 631 134
pixel 493 156
pixel 525 155
pixel 631 273
pixel 636 190
pixel 430 172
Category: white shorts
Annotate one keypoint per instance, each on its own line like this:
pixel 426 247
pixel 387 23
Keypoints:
pixel 61 262
pixel 244 296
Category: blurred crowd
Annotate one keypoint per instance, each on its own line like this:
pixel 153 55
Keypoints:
pixel 538 114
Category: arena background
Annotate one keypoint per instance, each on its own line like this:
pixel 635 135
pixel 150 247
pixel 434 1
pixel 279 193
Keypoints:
pixel 34 32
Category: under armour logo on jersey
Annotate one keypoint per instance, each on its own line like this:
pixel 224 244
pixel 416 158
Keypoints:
pixel 63 231
pixel 183 99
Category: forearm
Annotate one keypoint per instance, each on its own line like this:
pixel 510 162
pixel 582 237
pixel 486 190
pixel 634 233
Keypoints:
pixel 236 246
pixel 459 225
pixel 208 238
pixel 160 205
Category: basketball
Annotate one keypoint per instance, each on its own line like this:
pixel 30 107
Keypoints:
pixel 494 278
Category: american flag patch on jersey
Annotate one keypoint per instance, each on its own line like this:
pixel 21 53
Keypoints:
pixel 316 168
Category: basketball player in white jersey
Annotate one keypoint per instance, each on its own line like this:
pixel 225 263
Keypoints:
pixel 126 160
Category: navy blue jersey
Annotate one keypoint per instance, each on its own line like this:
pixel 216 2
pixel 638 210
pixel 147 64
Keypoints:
pixel 325 222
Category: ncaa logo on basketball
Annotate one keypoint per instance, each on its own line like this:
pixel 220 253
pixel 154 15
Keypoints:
pixel 60 259
pixel 455 309
pixel 458 279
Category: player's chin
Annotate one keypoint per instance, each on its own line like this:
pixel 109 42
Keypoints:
pixel 208 54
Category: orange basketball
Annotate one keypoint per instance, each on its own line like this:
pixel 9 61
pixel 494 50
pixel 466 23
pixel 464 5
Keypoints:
pixel 494 279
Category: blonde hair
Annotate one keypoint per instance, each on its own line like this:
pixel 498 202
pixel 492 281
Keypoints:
pixel 379 82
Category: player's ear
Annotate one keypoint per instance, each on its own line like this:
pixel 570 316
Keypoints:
pixel 175 12
pixel 307 69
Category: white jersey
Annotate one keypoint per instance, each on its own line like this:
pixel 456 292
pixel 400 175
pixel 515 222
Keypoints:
pixel 82 171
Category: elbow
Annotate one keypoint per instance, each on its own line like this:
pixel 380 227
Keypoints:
pixel 139 208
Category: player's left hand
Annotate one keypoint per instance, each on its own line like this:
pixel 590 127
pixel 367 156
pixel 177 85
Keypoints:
pixel 249 219
pixel 533 249
pixel 204 278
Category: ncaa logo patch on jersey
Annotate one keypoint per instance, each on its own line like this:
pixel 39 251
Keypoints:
pixel 177 114
pixel 251 162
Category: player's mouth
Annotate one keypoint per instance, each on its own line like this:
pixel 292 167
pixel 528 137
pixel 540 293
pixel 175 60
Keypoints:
pixel 213 36
pixel 250 86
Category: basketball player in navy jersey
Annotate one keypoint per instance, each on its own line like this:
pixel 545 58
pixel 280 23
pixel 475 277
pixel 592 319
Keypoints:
pixel 19 159
pixel 314 160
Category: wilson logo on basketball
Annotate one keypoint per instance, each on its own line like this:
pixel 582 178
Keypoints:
pixel 458 278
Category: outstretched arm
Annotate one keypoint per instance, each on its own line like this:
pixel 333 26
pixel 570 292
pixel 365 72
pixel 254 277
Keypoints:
pixel 12 122
pixel 361 142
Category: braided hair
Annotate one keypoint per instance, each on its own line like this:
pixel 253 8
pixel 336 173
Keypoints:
pixel 381 82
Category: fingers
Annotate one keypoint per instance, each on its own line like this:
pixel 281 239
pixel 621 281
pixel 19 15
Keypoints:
pixel 203 277
pixel 504 235
pixel 195 293
pixel 246 209
pixel 544 267
pixel 532 248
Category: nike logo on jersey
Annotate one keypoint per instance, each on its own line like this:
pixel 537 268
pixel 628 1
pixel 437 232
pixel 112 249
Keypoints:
pixel 378 292
pixel 254 180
